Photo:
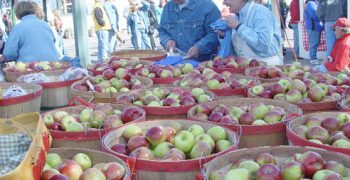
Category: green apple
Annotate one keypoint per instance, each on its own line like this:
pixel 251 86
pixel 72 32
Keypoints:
pixel 259 122
pixel 85 114
pixel 205 138
pixel 260 111
pixel 249 165
pixel 336 167
pixel 187 68
pixel 48 120
pixel 341 143
pixel 160 93
pixel 47 166
pixel 217 133
pixel 162 149
pixel 203 98
pixel 239 174
pixel 222 145
pixel 75 127
pixel 131 131
pixel 257 89
pixel 154 104
pixel 213 84
pixel 83 160
pixel 321 174
pixel 200 149
pixel 53 160
pixel 66 120
pixel 285 83
pixel 196 92
pixel 184 140
pixel 196 130
pixel 235 112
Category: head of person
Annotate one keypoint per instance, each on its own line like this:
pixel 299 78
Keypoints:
pixel 341 27
pixel 25 8
pixel 134 5
pixel 235 5
pixel 39 12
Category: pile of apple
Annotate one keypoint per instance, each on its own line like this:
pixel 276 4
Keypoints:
pixel 297 91
pixel 112 82
pixel 35 66
pixel 172 143
pixel 254 114
pixel 340 80
pixel 231 62
pixel 158 97
pixel 212 80
pixel 114 64
pixel 80 167
pixel 308 165
pixel 331 130
pixel 101 116
pixel 161 71
pixel 293 71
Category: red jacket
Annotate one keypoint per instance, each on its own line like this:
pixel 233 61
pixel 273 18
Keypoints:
pixel 294 11
pixel 340 55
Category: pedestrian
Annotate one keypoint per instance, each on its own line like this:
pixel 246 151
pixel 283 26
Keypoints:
pixel 112 13
pixel 294 20
pixel 258 32
pixel 32 39
pixel 138 26
pixel 162 3
pixel 102 26
pixel 339 60
pixel 283 12
pixel 153 21
pixel 314 28
pixel 57 22
pixel 186 25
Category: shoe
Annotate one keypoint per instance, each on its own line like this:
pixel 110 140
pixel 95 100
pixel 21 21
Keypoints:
pixel 315 62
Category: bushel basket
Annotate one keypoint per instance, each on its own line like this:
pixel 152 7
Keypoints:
pixel 150 55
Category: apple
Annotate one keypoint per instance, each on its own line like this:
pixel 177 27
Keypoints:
pixel 336 135
pixel 336 167
pixel 299 85
pixel 196 92
pixel 83 160
pixel 85 114
pixel 130 114
pixel 156 135
pixel 265 158
pixel 292 170
pixel 113 121
pixel 113 170
pixel 71 169
pixel 59 115
pixel 74 127
pixel 174 154
pixel 203 98
pixel 200 149
pixel 300 131
pixel 136 142
pixel 215 116
pixel 285 83
pixel 247 118
pixel 277 88
pixel 257 90
pixel 184 141
pixel 259 111
pixel 268 172
pixel 48 121
pixel 108 74
pixel 142 153
pixel 131 131
pixel 293 96
pixel 203 108
pixel 346 129
pixel 48 174
pixel 217 133
pixel 331 124
pixel 206 138
pixel 249 165
pixel 59 177
pixel 240 173
pixel 312 122
pixel 122 73
pixel 272 117
pixel 217 175
pixel 53 160
pixel 312 162
pixel 235 112
pixel 316 94
pixel 274 72
pixel 319 133
pixel 92 174
pixel 196 130
pixel 324 173
pixel 120 148
pixel 341 143
pixel 222 145
pixel 162 149
pixel 213 84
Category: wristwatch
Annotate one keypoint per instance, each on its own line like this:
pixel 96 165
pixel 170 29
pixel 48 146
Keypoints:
pixel 237 27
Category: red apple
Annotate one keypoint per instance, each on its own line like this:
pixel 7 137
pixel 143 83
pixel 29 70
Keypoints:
pixel 346 129
pixel 130 114
pixel 136 142
pixel 215 116
pixel 71 169
pixel 113 171
pixel 187 100
pixel 247 119
pixel 170 134
pixel 203 108
pixel 48 174
pixel 92 173
pixel 292 170
pixel 121 149
pixel 142 153
pixel 318 133
pixel 269 172
pixel 59 177
pixel 115 65
pixel 156 135
pixel 108 74
pixel 265 158
pixel 312 162
pixel 331 124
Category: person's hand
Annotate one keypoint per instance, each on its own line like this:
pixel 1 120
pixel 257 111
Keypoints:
pixel 193 52
pixel 170 45
pixel 2 57
pixel 221 34
pixel 232 21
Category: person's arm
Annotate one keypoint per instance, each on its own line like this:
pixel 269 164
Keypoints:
pixel 12 46
pixel 320 10
pixel 311 10
pixel 99 16
pixel 210 41
pixel 116 16
pixel 129 24
pixel 164 36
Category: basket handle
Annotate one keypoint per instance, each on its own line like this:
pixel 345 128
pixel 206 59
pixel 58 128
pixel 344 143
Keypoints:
pixel 18 126
pixel 73 100
pixel 131 161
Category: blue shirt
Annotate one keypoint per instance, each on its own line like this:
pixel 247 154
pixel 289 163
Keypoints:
pixel 260 30
pixel 311 19
pixel 190 26
pixel 31 40
pixel 112 14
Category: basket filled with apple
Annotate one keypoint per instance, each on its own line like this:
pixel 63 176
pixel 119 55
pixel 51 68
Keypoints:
pixel 326 130
pixel 56 85
pixel 132 65
pixel 83 164
pixel 19 98
pixel 269 74
pixel 105 88
pixel 166 102
pixel 83 126
pixel 260 122
pixel 149 55
pixel 14 71
pixel 169 149
pixel 231 64
pixel 307 94
pixel 161 74
pixel 279 163
pixel 221 84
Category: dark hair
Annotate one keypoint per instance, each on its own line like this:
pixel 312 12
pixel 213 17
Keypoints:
pixel 25 8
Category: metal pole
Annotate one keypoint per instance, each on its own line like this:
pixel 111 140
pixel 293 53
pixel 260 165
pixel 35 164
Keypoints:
pixel 45 9
pixel 81 32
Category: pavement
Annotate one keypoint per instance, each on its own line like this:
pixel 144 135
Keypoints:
pixel 70 46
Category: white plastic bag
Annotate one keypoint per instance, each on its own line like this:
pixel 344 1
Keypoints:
pixel 14 91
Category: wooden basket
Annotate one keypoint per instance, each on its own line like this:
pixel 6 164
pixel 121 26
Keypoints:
pixel 95 156
pixel 55 94
pixel 155 170
pixel 96 97
pixel 22 104
pixel 306 107
pixel 12 76
pixel 256 135
pixel 150 55
pixel 298 141
pixel 87 139
pixel 33 163
pixel 281 153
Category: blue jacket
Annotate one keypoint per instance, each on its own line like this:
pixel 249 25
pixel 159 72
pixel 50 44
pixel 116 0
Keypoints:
pixel 137 21
pixel 311 19
pixel 191 26
pixel 112 14
pixel 31 40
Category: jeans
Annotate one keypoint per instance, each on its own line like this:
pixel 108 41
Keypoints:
pixel 314 40
pixel 103 45
pixel 140 40
pixel 112 39
pixel 296 38
pixel 330 37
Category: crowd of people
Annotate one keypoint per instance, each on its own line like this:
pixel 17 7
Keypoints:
pixel 254 31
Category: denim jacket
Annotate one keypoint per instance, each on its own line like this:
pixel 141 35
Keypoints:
pixel 190 26
pixel 137 21
pixel 311 19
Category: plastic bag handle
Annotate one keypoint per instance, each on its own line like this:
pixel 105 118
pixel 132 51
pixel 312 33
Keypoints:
pixel 73 100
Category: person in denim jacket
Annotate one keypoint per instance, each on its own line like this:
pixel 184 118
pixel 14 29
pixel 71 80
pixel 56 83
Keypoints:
pixel 138 25
pixel 185 24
